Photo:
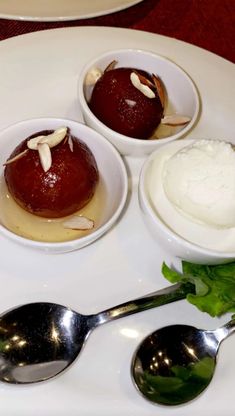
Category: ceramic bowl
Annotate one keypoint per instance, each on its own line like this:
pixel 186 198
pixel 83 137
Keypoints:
pixel 182 98
pixel 176 233
pixel 112 173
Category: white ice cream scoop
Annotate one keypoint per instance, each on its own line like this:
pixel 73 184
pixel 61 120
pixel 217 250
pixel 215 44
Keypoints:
pixel 199 180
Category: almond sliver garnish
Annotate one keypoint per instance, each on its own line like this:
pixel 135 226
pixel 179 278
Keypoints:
pixel 13 159
pixel 55 138
pixel 79 223
pixel 45 156
pixel 160 89
pixel 135 80
pixel 32 144
pixel 44 143
pixel 51 139
pixel 92 76
pixel 111 66
pixel 175 120
pixel 144 80
pixel 70 143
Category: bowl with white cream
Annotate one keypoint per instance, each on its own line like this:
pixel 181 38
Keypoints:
pixel 187 197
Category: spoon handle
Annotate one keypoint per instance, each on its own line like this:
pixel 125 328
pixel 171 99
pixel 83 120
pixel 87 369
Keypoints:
pixel 225 330
pixel 158 298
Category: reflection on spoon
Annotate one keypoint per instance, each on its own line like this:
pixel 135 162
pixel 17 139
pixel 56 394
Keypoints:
pixel 175 364
pixel 39 340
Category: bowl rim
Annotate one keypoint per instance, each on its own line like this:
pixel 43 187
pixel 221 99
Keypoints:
pixel 142 194
pixel 121 137
pixel 89 238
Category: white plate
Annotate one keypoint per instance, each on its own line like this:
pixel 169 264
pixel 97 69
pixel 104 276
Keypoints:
pixel 54 10
pixel 38 77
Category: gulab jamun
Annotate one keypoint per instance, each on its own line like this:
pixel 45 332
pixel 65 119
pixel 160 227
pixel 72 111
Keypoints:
pixel 123 107
pixel 67 186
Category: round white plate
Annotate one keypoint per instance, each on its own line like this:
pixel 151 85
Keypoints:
pixel 60 10
pixel 38 77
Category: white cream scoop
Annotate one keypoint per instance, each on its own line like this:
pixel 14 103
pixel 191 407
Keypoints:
pixel 199 180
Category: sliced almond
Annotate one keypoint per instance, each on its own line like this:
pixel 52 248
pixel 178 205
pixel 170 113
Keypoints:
pixel 144 80
pixel 32 144
pixel 45 156
pixel 160 89
pixel 141 87
pixel 13 159
pixel 51 139
pixel 175 120
pixel 70 143
pixel 55 138
pixel 92 76
pixel 79 223
pixel 110 66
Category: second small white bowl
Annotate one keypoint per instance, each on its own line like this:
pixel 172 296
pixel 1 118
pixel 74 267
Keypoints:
pixel 182 95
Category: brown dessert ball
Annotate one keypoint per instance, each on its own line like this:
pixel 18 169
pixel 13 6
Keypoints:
pixel 121 106
pixel 66 187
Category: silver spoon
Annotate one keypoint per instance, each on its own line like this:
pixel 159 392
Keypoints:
pixel 176 363
pixel 39 340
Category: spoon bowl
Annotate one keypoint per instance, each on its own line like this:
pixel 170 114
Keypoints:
pixel 40 340
pixel 176 363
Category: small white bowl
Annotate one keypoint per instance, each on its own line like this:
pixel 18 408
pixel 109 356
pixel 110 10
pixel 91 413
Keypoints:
pixel 182 97
pixel 111 169
pixel 175 233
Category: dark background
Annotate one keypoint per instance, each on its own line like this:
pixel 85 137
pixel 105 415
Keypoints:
pixel 209 24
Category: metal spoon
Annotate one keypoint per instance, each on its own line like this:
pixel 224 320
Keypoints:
pixel 176 363
pixel 39 340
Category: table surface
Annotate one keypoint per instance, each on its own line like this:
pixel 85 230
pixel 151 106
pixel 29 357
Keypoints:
pixel 205 23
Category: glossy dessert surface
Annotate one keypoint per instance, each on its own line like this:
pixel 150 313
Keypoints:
pixel 66 187
pixel 123 107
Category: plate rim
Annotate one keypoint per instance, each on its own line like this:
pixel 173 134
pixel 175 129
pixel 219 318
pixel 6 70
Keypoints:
pixel 62 18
